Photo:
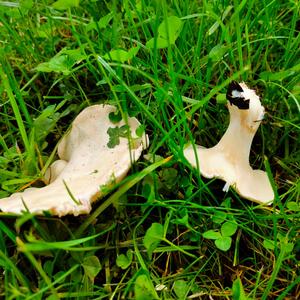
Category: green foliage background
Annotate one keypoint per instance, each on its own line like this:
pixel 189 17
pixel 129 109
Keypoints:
pixel 166 233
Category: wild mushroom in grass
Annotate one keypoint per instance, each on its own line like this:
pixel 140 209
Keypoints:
pixel 87 163
pixel 229 159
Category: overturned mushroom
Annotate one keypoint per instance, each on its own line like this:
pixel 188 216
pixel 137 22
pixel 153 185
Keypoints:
pixel 86 164
pixel 229 159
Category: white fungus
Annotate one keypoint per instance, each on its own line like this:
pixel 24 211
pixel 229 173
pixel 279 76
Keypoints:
pixel 86 164
pixel 229 159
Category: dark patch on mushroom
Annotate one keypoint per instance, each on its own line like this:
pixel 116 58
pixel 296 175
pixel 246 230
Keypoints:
pixel 239 102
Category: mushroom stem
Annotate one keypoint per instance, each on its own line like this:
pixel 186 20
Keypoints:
pixel 238 137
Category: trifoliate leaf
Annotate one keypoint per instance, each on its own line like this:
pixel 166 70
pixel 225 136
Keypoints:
pixel 115 133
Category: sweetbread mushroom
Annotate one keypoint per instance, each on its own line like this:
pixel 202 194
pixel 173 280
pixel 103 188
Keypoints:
pixel 86 164
pixel 229 159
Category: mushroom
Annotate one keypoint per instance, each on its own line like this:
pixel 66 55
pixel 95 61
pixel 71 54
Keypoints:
pixel 229 159
pixel 86 164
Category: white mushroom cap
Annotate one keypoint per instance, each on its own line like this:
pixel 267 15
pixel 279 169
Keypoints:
pixel 229 159
pixel 86 164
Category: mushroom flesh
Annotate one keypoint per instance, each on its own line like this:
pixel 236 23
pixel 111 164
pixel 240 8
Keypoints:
pixel 229 159
pixel 86 164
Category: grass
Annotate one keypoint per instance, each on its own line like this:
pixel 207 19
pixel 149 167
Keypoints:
pixel 145 239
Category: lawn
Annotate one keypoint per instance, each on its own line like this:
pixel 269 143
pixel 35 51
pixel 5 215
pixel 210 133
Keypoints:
pixel 163 232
